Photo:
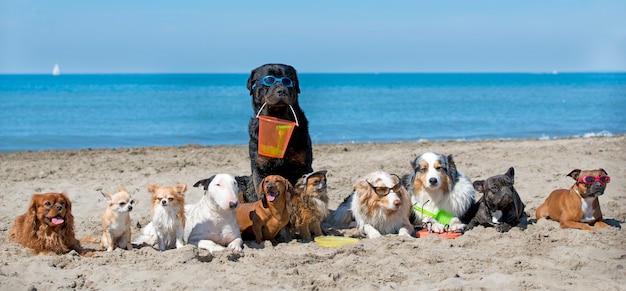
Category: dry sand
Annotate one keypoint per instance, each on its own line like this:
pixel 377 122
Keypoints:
pixel 534 256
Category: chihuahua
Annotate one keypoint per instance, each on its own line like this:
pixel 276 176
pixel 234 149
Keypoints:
pixel 116 220
pixel 168 214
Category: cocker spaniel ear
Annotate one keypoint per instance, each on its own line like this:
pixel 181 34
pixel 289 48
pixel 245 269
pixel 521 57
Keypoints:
pixel 68 203
pixel 30 219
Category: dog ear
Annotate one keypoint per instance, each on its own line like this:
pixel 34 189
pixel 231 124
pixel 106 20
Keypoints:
pixel 107 196
pixel 204 182
pixel 152 188
pixel 452 172
pixel 574 174
pixel 294 77
pixel 181 188
pixel 67 232
pixel 261 194
pixel 479 185
pixel 603 171
pixel 122 188
pixel 511 174
pixel 291 191
pixel 414 165
pixel 251 81
pixel 31 214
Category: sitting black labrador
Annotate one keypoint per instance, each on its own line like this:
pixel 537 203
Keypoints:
pixel 274 89
pixel 500 206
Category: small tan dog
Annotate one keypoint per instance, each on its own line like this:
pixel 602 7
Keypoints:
pixel 116 220
pixel 577 207
pixel 309 205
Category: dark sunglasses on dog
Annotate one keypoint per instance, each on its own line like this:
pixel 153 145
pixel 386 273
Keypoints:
pixel 592 179
pixel 384 191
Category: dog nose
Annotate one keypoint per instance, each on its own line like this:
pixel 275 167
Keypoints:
pixel 58 207
pixel 397 202
pixel 233 205
pixel 432 181
pixel 130 208
pixel 163 202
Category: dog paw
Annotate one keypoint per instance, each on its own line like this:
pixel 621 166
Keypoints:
pixel 236 246
pixel 503 227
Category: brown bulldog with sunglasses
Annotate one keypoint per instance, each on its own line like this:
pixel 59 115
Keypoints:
pixel 577 207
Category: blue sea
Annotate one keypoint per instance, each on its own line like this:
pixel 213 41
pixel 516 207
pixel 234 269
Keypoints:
pixel 40 112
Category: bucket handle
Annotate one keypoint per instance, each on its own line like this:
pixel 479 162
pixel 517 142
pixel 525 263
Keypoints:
pixel 292 111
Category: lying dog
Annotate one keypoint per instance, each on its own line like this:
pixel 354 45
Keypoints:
pixel 47 227
pixel 500 206
pixel 211 222
pixel 309 205
pixel 168 217
pixel 379 205
pixel 263 219
pixel 116 220
pixel 577 207
pixel 274 89
pixel 441 195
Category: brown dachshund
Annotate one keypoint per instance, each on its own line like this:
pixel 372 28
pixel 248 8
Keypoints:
pixel 263 219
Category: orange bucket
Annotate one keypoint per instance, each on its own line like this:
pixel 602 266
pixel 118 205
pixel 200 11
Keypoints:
pixel 274 135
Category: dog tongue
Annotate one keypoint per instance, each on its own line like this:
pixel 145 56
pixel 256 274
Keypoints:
pixel 57 220
pixel 271 197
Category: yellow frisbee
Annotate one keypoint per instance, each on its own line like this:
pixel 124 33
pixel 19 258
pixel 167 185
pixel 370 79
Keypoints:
pixel 334 241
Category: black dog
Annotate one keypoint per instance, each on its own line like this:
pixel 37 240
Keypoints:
pixel 500 205
pixel 274 89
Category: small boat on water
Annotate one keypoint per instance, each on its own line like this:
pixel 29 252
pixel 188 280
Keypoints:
pixel 56 71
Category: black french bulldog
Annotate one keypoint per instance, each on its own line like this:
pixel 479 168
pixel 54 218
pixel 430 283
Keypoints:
pixel 500 206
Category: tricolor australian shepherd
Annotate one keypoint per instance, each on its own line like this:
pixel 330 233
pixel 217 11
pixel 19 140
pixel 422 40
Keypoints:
pixel 379 205
pixel 441 195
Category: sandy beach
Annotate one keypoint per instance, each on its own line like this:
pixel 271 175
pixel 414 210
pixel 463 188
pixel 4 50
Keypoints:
pixel 534 255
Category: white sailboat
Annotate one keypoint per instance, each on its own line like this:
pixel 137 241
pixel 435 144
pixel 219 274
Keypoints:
pixel 56 71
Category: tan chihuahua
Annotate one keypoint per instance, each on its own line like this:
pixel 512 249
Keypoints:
pixel 116 221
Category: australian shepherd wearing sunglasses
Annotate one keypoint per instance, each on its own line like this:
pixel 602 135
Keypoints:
pixel 274 89
pixel 577 207
pixel 379 205
pixel 442 196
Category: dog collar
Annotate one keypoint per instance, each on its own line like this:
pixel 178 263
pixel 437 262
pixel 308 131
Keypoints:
pixel 441 216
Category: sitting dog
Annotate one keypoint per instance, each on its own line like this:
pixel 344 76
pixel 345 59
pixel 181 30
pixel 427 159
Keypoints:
pixel 47 227
pixel 274 89
pixel 263 219
pixel 577 207
pixel 309 205
pixel 211 222
pixel 168 217
pixel 116 220
pixel 379 205
pixel 500 206
pixel 441 195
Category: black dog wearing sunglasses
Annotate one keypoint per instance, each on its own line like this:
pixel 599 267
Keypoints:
pixel 274 89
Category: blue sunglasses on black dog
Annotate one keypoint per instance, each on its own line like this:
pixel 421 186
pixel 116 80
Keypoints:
pixel 270 80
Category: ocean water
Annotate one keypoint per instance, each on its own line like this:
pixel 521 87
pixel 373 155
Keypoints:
pixel 129 110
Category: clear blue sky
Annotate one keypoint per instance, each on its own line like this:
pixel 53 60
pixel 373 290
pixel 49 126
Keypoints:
pixel 207 36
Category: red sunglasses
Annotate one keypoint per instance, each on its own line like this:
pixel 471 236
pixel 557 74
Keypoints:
pixel 592 179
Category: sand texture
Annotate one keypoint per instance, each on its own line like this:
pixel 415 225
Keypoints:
pixel 534 255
